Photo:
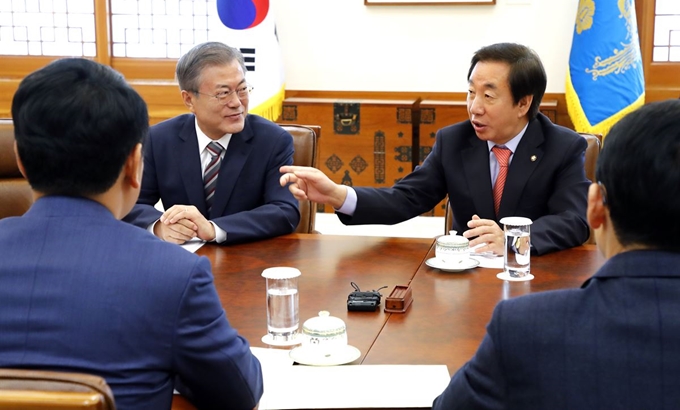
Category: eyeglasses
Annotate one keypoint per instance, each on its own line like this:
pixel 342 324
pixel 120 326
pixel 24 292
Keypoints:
pixel 223 97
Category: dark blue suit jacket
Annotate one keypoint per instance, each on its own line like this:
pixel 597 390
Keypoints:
pixel 546 182
pixel 81 291
pixel 249 203
pixel 613 344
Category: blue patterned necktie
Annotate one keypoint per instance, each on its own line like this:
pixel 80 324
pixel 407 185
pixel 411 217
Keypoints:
pixel 211 171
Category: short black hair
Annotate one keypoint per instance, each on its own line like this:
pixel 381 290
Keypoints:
pixel 527 75
pixel 75 123
pixel 639 167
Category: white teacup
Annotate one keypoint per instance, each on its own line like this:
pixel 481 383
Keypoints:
pixel 452 249
pixel 324 334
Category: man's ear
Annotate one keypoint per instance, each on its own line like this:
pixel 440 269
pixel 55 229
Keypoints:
pixel 134 167
pixel 524 104
pixel 188 99
pixel 596 212
pixel 20 164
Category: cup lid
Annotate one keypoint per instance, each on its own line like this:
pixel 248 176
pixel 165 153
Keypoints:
pixel 281 272
pixel 324 325
pixel 515 221
pixel 453 239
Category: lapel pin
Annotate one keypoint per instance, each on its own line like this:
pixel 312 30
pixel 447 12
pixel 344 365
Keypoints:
pixel 533 158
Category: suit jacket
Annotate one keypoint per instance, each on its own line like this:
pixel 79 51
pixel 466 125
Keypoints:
pixel 613 344
pixel 249 202
pixel 546 182
pixel 82 291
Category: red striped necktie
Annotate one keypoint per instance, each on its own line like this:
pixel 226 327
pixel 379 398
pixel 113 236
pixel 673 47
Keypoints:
pixel 503 156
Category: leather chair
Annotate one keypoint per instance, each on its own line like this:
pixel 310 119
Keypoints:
pixel 15 193
pixel 306 143
pixel 592 152
pixel 36 389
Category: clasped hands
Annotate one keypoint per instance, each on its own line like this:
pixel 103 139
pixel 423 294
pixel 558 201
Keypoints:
pixel 181 223
pixel 307 183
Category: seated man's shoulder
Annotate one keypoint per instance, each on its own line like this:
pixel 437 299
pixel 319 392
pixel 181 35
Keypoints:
pixel 553 307
pixel 166 257
pixel 264 126
pixel 557 132
pixel 463 127
pixel 456 135
pixel 172 124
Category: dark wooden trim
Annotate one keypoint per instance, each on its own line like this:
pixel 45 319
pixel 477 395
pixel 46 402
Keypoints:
pixel 661 79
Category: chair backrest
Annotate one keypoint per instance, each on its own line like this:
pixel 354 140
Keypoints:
pixel 15 193
pixel 306 143
pixel 592 152
pixel 36 389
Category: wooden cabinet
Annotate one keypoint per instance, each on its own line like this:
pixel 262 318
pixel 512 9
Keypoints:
pixel 365 142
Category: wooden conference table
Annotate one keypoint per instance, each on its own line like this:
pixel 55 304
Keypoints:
pixel 445 323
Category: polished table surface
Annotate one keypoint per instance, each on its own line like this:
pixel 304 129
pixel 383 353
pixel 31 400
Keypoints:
pixel 448 317
pixel 445 323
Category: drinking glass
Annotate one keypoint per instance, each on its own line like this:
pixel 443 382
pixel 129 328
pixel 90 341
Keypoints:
pixel 517 253
pixel 282 304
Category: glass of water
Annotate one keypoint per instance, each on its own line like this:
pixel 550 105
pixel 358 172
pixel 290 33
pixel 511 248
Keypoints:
pixel 282 305
pixel 517 246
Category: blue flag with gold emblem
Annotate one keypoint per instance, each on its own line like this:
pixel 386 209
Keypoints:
pixel 604 79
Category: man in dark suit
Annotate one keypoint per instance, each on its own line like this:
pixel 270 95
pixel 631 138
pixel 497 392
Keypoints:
pixel 614 343
pixel 215 170
pixel 82 291
pixel 544 181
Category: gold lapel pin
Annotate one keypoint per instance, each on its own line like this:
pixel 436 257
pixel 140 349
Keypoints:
pixel 533 158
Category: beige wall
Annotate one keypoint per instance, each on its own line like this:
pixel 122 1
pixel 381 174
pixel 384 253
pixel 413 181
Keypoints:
pixel 343 45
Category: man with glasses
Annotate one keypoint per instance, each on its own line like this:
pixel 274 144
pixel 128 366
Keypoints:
pixel 215 170
pixel 615 342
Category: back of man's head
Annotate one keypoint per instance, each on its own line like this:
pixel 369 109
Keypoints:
pixel 75 123
pixel 639 167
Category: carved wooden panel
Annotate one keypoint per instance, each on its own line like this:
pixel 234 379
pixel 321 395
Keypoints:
pixel 365 142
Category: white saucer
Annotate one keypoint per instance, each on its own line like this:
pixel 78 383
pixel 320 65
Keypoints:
pixel 268 339
pixel 304 355
pixel 506 276
pixel 467 264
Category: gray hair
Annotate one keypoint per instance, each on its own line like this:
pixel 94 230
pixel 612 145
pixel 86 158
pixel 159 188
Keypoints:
pixel 191 65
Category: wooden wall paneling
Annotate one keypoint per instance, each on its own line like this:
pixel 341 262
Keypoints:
pixel 163 99
pixel 365 142
pixel 7 89
pixel 145 69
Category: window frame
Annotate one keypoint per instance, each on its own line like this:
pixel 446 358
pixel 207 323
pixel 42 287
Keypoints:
pixel 132 68
pixel 661 79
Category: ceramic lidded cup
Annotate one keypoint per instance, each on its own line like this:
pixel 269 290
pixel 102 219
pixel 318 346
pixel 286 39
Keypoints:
pixel 324 333
pixel 452 249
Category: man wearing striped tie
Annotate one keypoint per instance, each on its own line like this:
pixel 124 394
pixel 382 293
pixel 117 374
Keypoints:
pixel 215 170
pixel 508 159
